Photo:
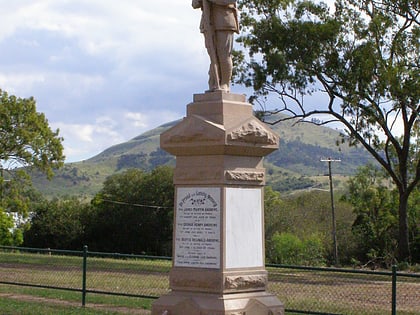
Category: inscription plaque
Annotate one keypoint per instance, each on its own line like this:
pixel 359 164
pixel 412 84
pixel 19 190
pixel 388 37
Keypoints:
pixel 197 235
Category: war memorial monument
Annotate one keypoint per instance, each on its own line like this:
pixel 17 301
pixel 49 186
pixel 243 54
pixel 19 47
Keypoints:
pixel 218 242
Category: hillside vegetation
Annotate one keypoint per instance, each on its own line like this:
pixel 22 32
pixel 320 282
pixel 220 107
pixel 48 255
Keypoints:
pixel 296 165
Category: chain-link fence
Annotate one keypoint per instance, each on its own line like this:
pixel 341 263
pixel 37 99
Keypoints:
pixel 129 275
pixel 303 290
pixel 345 291
pixel 85 271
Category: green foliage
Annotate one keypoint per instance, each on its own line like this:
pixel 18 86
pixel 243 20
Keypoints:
pixel 6 225
pixel 144 161
pixel 292 183
pixel 314 251
pixel 57 224
pixel 159 157
pixel 361 59
pixel 376 221
pixel 131 161
pixel 133 213
pixel 25 136
pixel 16 196
pixel 376 225
pixel 17 193
pixel 275 218
pixel 287 249
pixel 291 250
pixel 307 216
pixel 25 140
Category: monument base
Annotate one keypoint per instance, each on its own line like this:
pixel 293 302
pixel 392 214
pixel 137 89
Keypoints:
pixel 187 303
pixel 218 260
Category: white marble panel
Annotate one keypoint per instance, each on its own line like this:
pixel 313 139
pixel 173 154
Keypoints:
pixel 244 235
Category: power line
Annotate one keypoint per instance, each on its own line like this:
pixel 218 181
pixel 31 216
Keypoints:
pixel 135 204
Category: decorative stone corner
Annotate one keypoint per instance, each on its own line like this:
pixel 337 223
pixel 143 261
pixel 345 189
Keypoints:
pixel 245 176
pixel 254 282
pixel 193 129
pixel 253 132
pixel 219 125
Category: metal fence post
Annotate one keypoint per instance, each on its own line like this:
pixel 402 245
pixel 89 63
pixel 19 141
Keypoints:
pixel 394 290
pixel 85 253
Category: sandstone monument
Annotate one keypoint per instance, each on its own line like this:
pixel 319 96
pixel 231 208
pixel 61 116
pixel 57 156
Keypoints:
pixel 218 246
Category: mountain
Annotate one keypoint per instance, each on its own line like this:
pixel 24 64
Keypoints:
pixel 296 165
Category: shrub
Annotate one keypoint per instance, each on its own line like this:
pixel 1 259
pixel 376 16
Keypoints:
pixel 288 249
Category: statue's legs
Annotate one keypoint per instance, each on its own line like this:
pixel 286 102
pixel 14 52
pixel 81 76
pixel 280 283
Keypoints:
pixel 214 70
pixel 224 45
pixel 214 84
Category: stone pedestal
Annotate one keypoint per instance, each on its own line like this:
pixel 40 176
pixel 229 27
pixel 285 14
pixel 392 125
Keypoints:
pixel 218 249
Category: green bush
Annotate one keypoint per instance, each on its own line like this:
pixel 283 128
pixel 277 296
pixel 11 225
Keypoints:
pixel 313 251
pixel 6 224
pixel 288 249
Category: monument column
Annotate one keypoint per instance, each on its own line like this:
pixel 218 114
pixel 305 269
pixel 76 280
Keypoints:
pixel 218 242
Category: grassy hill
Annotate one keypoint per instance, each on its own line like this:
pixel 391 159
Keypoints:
pixel 296 165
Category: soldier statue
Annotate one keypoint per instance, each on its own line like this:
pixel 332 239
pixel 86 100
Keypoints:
pixel 219 21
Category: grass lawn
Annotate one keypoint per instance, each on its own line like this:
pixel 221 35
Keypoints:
pixel 17 307
pixel 21 300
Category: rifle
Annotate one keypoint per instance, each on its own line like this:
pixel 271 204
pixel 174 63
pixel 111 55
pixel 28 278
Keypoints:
pixel 209 35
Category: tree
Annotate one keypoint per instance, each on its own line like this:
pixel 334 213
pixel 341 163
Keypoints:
pixel 6 225
pixel 276 218
pixel 375 226
pixel 57 224
pixel 16 197
pixel 133 213
pixel 25 136
pixel 361 59
pixel 26 140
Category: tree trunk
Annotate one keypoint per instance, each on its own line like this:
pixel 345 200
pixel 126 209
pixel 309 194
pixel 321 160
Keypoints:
pixel 403 237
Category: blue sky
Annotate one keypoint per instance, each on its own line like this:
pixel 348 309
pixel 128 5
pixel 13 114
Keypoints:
pixel 102 71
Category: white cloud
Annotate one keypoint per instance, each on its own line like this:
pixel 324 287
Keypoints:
pixel 102 71
pixel 14 81
pixel 103 25
pixel 137 119
pixel 82 141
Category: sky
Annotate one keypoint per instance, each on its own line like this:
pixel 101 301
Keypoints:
pixel 102 71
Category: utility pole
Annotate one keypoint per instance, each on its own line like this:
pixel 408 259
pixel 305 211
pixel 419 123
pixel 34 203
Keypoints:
pixel 1 187
pixel 2 184
pixel 334 227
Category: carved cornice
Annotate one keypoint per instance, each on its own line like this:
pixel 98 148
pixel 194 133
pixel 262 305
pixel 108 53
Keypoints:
pixel 253 132
pixel 245 282
pixel 245 176
pixel 193 129
pixel 194 134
